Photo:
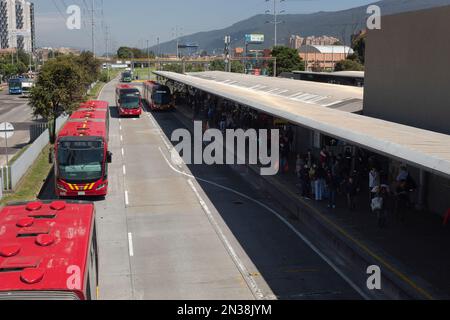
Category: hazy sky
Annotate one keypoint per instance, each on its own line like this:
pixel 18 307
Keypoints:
pixel 133 22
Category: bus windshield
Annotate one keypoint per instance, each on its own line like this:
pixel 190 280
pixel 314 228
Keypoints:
pixel 15 84
pixel 161 97
pixel 129 101
pixel 80 160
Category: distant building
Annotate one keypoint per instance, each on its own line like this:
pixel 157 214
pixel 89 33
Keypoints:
pixel 323 58
pixel 17 25
pixel 320 41
pixel 239 52
pixel 296 41
pixel 46 53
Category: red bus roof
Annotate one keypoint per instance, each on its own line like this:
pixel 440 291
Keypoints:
pixel 89 120
pixel 87 114
pixel 150 83
pixel 94 104
pixel 85 128
pixel 124 86
pixel 40 241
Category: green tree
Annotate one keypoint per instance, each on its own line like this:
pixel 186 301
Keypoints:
pixel 219 65
pixel 173 67
pixel 359 47
pixel 90 67
pixel 288 60
pixel 348 65
pixel 59 88
pixel 129 53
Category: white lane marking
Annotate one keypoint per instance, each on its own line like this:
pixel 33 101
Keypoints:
pixel 126 198
pixel 121 138
pixel 120 127
pixel 227 244
pixel 282 219
pixel 130 244
pixel 161 135
pixel 124 169
pixel 120 120
pixel 331 104
pixel 123 152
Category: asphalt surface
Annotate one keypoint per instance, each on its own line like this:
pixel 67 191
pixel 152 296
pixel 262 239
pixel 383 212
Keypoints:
pixel 164 234
pixel 15 110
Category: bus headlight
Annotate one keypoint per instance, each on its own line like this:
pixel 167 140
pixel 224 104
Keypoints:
pixel 61 188
pixel 100 187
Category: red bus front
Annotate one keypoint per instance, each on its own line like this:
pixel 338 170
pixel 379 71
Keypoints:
pixel 129 103
pixel 81 168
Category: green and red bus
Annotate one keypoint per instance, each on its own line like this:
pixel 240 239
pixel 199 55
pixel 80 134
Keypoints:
pixel 128 100
pixel 81 152
pixel 157 96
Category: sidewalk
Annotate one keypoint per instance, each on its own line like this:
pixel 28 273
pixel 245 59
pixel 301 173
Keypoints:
pixel 416 251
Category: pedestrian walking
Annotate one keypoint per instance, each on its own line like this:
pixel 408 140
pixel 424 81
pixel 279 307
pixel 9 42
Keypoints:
pixel 350 191
pixel 299 164
pixel 379 206
pixel 402 200
pixel 332 187
pixel 374 181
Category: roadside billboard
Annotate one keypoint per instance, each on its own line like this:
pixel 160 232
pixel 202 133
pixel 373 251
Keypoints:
pixel 254 38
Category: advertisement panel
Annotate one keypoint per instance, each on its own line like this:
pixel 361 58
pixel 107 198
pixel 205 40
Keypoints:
pixel 254 38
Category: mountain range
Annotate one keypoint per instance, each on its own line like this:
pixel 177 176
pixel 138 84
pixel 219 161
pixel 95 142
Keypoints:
pixel 339 24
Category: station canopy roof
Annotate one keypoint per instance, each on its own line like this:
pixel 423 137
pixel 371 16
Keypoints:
pixel 326 49
pixel 422 148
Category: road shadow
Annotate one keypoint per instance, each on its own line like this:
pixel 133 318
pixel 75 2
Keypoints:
pixel 288 266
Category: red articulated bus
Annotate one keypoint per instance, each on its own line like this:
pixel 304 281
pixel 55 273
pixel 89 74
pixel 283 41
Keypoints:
pixel 158 96
pixel 48 251
pixel 81 152
pixel 128 100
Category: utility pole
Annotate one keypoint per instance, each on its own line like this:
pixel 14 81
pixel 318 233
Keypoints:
pixel 177 33
pixel 227 53
pixel 158 54
pixel 275 16
pixel 93 27
pixel 148 59
pixel 107 49
pixel 275 19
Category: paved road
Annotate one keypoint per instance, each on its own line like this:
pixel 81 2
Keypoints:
pixel 14 109
pixel 165 235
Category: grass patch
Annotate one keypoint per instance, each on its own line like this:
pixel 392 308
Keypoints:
pixel 32 182
pixel 94 92
pixel 142 73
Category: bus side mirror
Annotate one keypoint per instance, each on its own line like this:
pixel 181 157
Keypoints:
pixel 120 101
pixel 109 157
pixel 50 157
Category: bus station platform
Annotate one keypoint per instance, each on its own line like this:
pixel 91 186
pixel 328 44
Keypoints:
pixel 413 255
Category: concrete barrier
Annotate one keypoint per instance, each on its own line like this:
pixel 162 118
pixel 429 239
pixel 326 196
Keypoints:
pixel 26 160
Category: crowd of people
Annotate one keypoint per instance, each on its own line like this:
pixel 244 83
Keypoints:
pixel 324 177
pixel 328 176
